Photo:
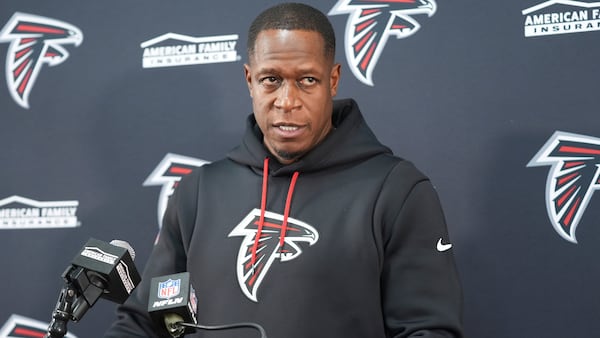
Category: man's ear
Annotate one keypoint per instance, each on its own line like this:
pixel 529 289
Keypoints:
pixel 334 79
pixel 248 77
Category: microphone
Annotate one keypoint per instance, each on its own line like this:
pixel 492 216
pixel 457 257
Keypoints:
pixel 99 270
pixel 102 270
pixel 173 301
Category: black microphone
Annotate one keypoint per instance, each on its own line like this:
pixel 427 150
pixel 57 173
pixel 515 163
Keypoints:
pixel 173 305
pixel 172 301
pixel 102 270
pixel 99 270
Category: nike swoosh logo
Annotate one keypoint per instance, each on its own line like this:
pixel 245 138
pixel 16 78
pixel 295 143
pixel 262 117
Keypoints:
pixel 443 247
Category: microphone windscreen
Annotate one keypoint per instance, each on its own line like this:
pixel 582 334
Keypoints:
pixel 124 245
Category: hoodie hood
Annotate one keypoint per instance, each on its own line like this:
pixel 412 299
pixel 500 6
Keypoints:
pixel 350 141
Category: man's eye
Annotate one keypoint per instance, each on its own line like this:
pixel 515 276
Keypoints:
pixel 269 80
pixel 308 81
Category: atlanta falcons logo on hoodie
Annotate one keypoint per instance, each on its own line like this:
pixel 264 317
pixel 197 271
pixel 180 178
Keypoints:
pixel 34 41
pixel 273 242
pixel 574 176
pixel 369 25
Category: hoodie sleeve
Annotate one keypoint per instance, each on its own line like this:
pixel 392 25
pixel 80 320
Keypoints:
pixel 421 291
pixel 168 257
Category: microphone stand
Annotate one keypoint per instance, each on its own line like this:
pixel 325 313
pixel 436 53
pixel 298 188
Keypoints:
pixel 79 291
pixel 62 312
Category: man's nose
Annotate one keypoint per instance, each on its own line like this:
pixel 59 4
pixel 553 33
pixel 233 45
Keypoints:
pixel 288 96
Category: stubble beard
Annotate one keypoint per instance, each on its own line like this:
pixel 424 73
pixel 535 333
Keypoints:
pixel 284 156
pixel 288 156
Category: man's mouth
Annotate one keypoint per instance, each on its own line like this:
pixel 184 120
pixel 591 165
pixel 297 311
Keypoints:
pixel 288 128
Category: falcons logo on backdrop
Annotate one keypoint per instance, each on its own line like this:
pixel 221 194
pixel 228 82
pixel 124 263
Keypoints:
pixel 369 25
pixel 251 276
pixel 23 327
pixel 573 178
pixel 168 173
pixel 34 41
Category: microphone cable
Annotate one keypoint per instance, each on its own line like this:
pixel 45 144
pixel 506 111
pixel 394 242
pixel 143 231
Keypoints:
pixel 260 329
pixel 176 326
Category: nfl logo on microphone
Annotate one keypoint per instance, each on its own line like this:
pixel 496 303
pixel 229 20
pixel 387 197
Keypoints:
pixel 169 288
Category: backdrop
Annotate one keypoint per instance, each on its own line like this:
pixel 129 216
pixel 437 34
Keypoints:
pixel 104 105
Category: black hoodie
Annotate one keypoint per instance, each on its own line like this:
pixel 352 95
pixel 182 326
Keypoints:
pixel 349 241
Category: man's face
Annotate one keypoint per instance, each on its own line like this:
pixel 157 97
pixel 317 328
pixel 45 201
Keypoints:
pixel 292 84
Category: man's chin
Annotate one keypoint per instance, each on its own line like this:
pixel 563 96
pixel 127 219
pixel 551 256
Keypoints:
pixel 287 156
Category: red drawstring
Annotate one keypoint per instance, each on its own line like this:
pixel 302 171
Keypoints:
pixel 263 207
pixel 288 203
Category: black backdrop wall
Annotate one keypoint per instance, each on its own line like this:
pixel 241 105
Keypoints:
pixel 105 104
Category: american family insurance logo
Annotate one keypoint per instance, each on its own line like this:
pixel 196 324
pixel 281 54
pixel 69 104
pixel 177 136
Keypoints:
pixel 18 212
pixel 573 177
pixel 561 17
pixel 171 49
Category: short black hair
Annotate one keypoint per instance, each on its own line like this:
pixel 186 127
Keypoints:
pixel 293 16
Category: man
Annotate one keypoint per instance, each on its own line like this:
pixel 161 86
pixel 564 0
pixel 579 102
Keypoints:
pixel 311 227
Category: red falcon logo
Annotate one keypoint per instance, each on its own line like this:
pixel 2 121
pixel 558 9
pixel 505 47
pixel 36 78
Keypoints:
pixel 23 327
pixel 574 176
pixel 369 25
pixel 168 173
pixel 34 41
pixel 251 276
